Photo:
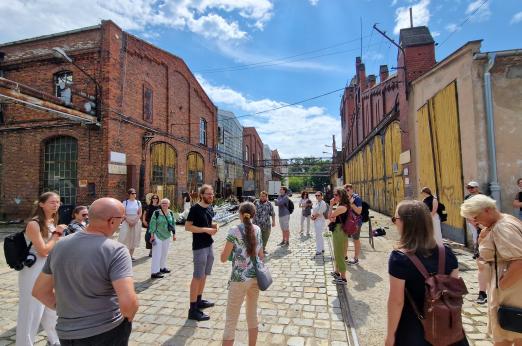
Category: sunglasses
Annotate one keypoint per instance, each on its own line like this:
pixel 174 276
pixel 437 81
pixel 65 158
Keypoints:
pixel 85 215
pixel 393 219
pixel 336 194
pixel 154 198
pixel 132 193
pixel 318 195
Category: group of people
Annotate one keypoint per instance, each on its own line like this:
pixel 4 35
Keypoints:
pixel 93 302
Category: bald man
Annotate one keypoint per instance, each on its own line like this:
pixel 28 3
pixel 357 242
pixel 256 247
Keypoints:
pixel 87 278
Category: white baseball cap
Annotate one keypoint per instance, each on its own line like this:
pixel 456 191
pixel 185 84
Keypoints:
pixel 472 184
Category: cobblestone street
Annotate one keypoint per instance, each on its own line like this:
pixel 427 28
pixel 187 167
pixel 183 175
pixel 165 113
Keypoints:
pixel 301 308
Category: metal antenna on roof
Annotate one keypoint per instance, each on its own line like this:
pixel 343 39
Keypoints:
pixel 360 18
pixel 411 17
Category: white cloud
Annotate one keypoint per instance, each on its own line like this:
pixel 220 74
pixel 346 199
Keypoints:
pixel 216 19
pixel 276 128
pixel 482 9
pixel 517 18
pixel 421 16
pixel 435 33
pixel 313 2
pixel 452 27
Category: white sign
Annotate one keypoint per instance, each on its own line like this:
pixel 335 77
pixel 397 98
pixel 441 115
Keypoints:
pixel 405 157
pixel 117 169
pixel 118 157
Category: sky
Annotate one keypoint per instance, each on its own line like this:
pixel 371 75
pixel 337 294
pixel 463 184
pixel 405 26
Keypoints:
pixel 252 56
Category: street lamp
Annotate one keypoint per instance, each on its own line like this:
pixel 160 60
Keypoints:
pixel 60 54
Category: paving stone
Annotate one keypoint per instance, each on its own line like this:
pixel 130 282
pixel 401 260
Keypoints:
pixel 296 341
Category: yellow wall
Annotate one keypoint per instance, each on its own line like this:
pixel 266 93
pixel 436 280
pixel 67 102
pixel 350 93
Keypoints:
pixel 443 174
pixel 371 171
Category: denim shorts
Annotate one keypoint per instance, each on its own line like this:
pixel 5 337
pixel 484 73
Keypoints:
pixel 203 261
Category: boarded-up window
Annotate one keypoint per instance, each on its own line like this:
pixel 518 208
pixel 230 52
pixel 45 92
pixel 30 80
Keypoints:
pixel 147 103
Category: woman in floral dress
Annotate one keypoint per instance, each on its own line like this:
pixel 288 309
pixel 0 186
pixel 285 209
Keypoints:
pixel 245 247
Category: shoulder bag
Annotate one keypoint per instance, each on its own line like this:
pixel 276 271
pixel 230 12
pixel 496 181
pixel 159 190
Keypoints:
pixel 263 275
pixel 171 228
pixel 509 317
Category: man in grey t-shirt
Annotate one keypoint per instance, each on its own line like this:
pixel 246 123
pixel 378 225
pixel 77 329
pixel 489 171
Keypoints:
pixel 87 278
pixel 282 203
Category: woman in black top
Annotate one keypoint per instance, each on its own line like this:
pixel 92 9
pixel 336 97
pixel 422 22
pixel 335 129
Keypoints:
pixel 415 226
pixel 149 211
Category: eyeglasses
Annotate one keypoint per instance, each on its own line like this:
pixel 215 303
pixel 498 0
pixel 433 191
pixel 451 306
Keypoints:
pixel 395 218
pixel 115 217
pixel 318 195
pixel 470 187
pixel 85 215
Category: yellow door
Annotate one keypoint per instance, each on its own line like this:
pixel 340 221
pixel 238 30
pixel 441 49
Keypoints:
pixel 163 171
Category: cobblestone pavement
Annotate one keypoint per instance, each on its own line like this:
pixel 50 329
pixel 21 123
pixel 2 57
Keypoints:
pixel 301 308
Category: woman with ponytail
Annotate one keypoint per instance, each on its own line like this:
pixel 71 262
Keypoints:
pixel 244 247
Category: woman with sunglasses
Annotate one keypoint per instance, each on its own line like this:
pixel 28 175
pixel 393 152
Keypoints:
pixel 130 230
pixel 79 221
pixel 147 214
pixel 339 205
pixel 415 226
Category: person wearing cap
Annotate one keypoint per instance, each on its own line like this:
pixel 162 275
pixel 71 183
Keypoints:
pixel 473 190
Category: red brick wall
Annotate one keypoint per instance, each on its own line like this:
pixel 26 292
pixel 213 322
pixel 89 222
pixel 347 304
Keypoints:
pixel 255 150
pixel 122 64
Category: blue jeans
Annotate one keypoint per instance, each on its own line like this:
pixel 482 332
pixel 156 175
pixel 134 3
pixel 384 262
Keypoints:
pixel 118 336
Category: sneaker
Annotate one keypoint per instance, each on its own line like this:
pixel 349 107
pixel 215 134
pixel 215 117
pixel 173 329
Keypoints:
pixel 335 274
pixel 265 252
pixel 164 270
pixel 150 253
pixel 281 243
pixel 482 298
pixel 339 281
pixel 353 261
pixel 157 276
pixel 476 255
pixel 286 244
pixel 203 304
pixel 198 315
pixel 133 259
pixel 318 253
pixel 346 258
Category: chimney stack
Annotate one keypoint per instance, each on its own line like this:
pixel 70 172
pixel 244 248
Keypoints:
pixel 361 76
pixel 371 80
pixel 383 73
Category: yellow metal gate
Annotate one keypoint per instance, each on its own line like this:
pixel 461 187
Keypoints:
pixel 376 173
pixel 440 162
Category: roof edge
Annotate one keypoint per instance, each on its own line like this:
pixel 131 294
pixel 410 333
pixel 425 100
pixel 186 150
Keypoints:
pixel 44 37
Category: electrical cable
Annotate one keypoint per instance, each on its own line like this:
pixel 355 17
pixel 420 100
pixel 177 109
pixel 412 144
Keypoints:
pixel 463 22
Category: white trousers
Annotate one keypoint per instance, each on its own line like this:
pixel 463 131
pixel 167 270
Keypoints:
pixel 30 311
pixel 159 255
pixel 307 223
pixel 319 229
pixel 437 232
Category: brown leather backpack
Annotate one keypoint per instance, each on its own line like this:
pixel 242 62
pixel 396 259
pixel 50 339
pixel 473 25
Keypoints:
pixel 443 299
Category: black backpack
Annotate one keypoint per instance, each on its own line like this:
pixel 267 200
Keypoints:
pixel 441 210
pixel 290 206
pixel 365 213
pixel 16 251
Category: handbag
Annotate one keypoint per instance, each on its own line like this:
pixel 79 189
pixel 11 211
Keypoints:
pixel 263 275
pixel 351 224
pixel 509 317
pixel 170 227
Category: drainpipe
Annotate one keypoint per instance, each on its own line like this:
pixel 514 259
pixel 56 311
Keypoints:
pixel 494 186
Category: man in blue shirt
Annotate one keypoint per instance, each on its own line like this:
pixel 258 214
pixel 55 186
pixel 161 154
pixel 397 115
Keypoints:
pixel 356 207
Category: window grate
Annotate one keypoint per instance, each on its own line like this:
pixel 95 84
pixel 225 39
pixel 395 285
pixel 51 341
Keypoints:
pixel 60 168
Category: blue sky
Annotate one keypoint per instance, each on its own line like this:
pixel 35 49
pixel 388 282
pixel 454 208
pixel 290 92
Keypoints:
pixel 221 39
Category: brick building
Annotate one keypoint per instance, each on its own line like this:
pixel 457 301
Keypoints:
pixel 374 116
pixel 253 155
pixel 136 118
pixel 276 162
pixel 230 155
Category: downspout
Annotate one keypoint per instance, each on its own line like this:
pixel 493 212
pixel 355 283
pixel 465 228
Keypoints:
pixel 494 186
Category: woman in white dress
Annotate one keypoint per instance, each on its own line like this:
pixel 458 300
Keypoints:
pixel 130 229
pixel 43 233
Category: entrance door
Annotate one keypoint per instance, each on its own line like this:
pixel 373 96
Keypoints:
pixel 163 171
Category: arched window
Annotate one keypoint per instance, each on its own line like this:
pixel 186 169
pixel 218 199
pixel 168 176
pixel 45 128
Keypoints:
pixel 60 167
pixel 163 170
pixel 63 82
pixel 195 177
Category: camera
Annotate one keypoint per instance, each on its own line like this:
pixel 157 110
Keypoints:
pixel 30 260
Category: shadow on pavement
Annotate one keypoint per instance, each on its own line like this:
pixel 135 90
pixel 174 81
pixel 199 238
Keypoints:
pixel 142 285
pixel 7 334
pixel 363 278
pixel 183 334
pixel 279 253
pixel 362 308
pixel 140 260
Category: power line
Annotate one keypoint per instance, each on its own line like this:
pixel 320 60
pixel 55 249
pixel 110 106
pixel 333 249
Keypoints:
pixel 463 22
pixel 222 69
pixel 273 109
